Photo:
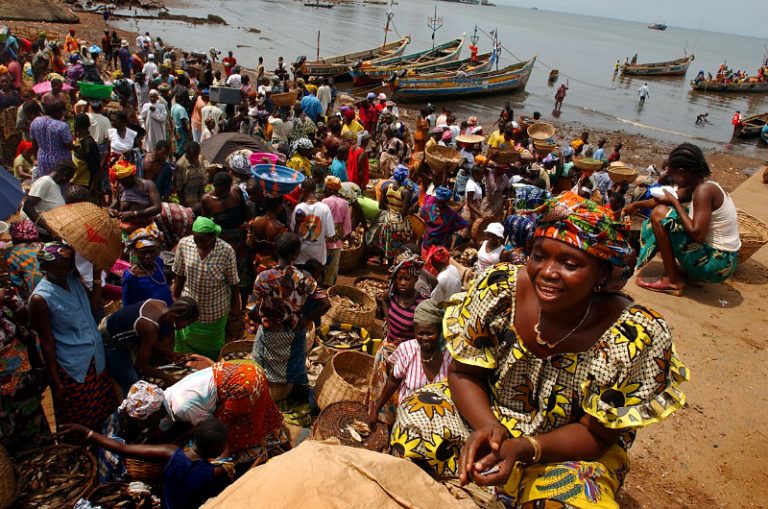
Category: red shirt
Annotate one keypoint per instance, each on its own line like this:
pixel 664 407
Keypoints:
pixel 229 64
pixel 368 116
pixel 357 172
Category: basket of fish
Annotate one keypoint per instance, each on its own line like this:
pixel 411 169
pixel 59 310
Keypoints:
pixel 236 350
pixel 352 253
pixel 343 337
pixel 350 305
pixel 346 422
pixel 55 476
pixel 375 288
pixel 345 378
pixel 118 495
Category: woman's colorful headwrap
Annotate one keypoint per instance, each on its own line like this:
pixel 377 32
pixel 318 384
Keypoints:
pixel 143 399
pixel 205 225
pixel 347 112
pixel 481 160
pixel 52 251
pixel 240 161
pixel 148 236
pixel 24 231
pixel 302 143
pixel 401 173
pixel 350 191
pixel 409 262
pixel 332 183
pixel 428 312
pixel 23 145
pixel 585 225
pixel 122 169
pixel 442 193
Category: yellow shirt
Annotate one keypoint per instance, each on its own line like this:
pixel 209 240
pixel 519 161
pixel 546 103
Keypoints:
pixel 26 165
pixel 499 141
pixel 312 89
pixel 301 164
pixel 349 131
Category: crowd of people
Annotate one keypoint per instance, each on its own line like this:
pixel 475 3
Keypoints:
pixel 527 369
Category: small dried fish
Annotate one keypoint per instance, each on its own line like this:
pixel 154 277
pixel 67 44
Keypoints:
pixel 52 477
pixel 374 288
pixel 343 339
pixel 354 434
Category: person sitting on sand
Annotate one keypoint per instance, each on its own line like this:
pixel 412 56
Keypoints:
pixel 702 235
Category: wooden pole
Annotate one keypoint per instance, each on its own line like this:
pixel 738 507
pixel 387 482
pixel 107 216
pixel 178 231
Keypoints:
pixel 318 45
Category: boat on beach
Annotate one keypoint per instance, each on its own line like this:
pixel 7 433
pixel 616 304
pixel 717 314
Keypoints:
pixel 670 68
pixel 752 125
pixel 337 67
pixel 512 78
pixel 481 63
pixel 323 5
pixel 366 73
pixel 751 86
pixel 658 26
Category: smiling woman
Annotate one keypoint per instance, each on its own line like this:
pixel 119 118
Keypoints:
pixel 553 371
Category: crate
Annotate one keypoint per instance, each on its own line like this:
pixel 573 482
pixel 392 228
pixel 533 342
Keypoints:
pixel 225 95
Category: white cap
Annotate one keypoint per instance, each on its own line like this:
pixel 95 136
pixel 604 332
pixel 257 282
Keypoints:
pixel 151 56
pixel 495 229
pixel 516 179
pixel 382 96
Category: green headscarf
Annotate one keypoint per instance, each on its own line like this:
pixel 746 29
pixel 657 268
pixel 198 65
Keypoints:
pixel 428 313
pixel 205 225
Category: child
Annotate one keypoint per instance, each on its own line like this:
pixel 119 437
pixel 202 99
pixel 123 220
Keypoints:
pixel 86 155
pixel 25 161
pixel 190 476
pixel 210 129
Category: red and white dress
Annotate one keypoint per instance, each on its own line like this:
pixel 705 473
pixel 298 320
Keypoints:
pixel 407 366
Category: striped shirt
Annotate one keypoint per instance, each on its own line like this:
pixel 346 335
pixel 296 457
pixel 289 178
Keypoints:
pixel 408 367
pixel 400 321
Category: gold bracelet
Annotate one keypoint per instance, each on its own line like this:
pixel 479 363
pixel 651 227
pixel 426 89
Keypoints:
pixel 536 448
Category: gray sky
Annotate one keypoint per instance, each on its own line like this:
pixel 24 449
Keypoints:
pixel 745 17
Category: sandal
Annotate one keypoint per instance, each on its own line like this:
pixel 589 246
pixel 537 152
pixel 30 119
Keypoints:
pixel 658 286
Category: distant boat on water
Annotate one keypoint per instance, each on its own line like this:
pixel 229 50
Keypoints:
pixel 324 5
pixel 751 86
pixel 670 68
pixel 658 26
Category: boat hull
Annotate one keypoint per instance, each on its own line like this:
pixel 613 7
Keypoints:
pixel 337 67
pixel 510 79
pixel 753 125
pixel 672 68
pixel 737 88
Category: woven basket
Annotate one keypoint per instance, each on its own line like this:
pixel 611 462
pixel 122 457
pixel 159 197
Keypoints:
pixel 479 226
pixel 345 378
pixel 310 339
pixel 541 131
pixel 144 471
pixel 525 122
pixel 378 295
pixel 543 147
pixel 622 174
pixel 334 420
pixel 237 350
pixel 25 500
pixel 587 164
pixel 286 99
pixel 418 227
pixel 753 234
pixel 350 259
pixel 108 491
pixel 340 314
pixel 10 489
pixel 89 230
pixel 441 158
pixel 504 155
pixel 325 329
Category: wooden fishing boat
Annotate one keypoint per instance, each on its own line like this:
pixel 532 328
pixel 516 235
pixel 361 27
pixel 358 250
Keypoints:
pixel 324 5
pixel 482 63
pixel 553 75
pixel 670 68
pixel 751 126
pixel 657 26
pixel 422 61
pixel 337 67
pixel 512 78
pixel 751 86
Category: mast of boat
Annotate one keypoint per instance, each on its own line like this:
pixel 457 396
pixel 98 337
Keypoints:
pixel 434 23
pixel 390 15
pixel 474 37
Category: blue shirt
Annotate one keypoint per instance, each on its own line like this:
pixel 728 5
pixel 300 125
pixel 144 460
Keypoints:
pixel 187 483
pixel 311 106
pixel 78 341
pixel 600 154
pixel 339 170
pixel 141 288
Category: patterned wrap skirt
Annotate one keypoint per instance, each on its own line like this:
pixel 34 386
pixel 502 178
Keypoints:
pixel 88 403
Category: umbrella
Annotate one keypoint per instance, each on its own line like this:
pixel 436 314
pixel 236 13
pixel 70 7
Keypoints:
pixel 45 86
pixel 217 148
pixel 11 194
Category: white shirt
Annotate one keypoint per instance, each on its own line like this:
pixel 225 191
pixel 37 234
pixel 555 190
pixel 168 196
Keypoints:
pixel 643 91
pixel 100 124
pixel 49 193
pixel 235 81
pixel 448 283
pixel 473 186
pixel 211 111
pixel 121 145
pixel 193 398
pixel 149 70
pixel 314 228
pixel 487 258
pixel 324 96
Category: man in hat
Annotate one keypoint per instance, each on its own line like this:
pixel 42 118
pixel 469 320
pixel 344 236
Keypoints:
pixel 154 117
pixel 381 102
pixel 125 57
pixel 342 224
pixel 150 68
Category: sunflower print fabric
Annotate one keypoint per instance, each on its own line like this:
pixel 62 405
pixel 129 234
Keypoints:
pixel 627 380
pixel 701 261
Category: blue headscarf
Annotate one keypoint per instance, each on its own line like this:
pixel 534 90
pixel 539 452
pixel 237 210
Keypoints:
pixel 442 193
pixel 401 173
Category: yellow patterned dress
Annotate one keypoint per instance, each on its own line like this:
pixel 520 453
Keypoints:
pixel 628 379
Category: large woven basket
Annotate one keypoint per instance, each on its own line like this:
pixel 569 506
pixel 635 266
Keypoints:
pixel 285 99
pixel 418 227
pixel 335 420
pixel 753 234
pixel 89 230
pixel 241 349
pixel 340 314
pixel 54 454
pixel 310 339
pixel 350 259
pixel 376 294
pixel 587 163
pixel 144 471
pixel 479 226
pixel 525 122
pixel 622 174
pixel 441 158
pixel 543 147
pixel 503 155
pixel 10 488
pixel 345 378
pixel 541 131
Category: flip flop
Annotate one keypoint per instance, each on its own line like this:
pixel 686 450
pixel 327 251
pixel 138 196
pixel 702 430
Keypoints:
pixel 658 286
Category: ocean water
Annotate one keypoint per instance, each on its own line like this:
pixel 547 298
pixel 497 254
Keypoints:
pixel 583 48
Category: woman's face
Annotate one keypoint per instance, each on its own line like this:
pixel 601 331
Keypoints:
pixel 60 268
pixel 562 276
pixel 147 256
pixel 428 336
pixel 405 282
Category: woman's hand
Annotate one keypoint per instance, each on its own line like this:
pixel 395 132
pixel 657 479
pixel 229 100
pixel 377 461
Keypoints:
pixel 668 199
pixel 75 432
pixel 481 444
pixel 629 210
pixel 494 469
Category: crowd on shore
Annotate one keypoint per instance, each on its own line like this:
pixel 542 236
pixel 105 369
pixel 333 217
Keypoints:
pixel 527 370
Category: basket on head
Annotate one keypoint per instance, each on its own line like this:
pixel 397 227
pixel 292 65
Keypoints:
pixel 144 471
pixel 587 163
pixel 345 378
pixel 621 174
pixel 338 418
pixel 525 122
pixel 753 234
pixel 479 226
pixel 322 336
pixel 503 155
pixel 541 131
pixel 352 257
pixel 341 314
pixel 89 230
pixel 284 100
pixel 10 488
pixel 235 350
pixel 441 158
pixel 543 147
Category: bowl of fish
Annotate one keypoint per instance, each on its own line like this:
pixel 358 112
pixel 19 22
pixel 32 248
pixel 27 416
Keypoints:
pixel 343 337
